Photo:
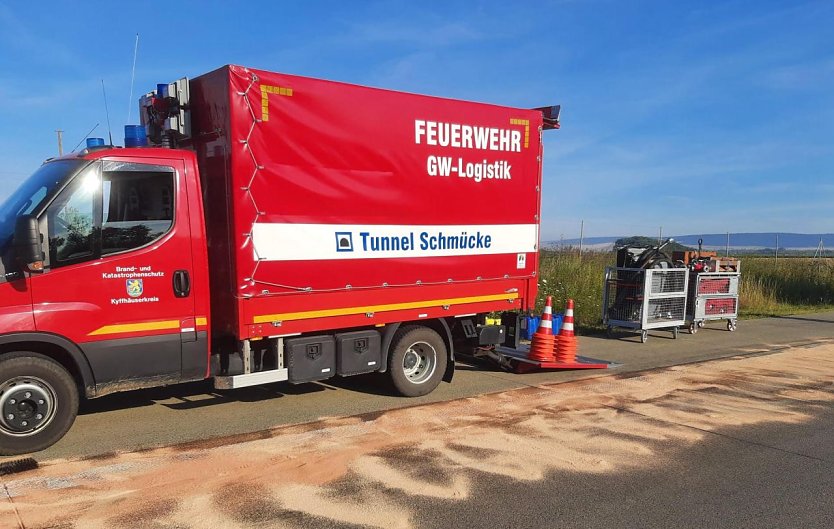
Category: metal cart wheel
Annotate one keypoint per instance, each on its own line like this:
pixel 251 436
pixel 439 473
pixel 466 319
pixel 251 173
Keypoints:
pixel 675 333
pixel 644 335
pixel 701 324
pixel 693 328
pixel 731 325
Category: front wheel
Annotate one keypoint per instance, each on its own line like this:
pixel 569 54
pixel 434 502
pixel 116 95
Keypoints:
pixel 417 361
pixel 38 402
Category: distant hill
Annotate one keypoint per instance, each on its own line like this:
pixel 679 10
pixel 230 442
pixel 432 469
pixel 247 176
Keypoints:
pixel 599 244
pixel 794 241
pixel 791 241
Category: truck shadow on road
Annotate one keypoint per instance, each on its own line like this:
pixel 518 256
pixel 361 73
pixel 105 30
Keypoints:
pixel 202 394
pixel 192 395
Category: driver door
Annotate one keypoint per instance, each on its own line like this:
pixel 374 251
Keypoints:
pixel 117 281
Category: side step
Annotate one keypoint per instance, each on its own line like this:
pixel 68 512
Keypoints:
pixel 251 379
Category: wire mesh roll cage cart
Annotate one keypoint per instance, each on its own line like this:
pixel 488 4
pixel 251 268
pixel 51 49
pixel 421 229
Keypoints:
pixel 643 299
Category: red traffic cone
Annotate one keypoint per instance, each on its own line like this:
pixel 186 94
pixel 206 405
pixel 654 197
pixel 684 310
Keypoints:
pixel 564 346
pixel 541 350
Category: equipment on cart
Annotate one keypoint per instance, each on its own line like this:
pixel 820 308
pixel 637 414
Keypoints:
pixel 644 299
pixel 706 261
pixel 645 291
pixel 713 288
pixel 712 296
pixel 698 261
pixel 640 257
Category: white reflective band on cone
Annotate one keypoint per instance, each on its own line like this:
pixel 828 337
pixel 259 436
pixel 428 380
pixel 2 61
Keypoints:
pixel 568 312
pixel 547 324
pixel 567 326
pixel 547 310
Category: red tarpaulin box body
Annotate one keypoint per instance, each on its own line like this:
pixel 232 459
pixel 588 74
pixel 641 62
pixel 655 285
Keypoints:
pixel 331 205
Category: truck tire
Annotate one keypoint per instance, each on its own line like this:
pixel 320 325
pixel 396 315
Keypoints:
pixel 417 360
pixel 38 402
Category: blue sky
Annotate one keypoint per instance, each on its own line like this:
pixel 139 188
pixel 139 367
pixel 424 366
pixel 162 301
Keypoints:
pixel 695 116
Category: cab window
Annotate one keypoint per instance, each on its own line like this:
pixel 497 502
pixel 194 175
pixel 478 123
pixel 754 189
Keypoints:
pixel 137 208
pixel 103 212
pixel 72 221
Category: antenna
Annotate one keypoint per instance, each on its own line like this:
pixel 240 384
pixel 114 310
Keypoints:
pixel 106 112
pixel 85 137
pixel 60 142
pixel 132 78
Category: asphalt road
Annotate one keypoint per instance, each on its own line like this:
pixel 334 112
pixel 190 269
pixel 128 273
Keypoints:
pixel 176 414
pixel 752 477
pixel 743 441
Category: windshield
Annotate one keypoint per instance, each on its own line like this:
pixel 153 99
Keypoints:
pixel 32 193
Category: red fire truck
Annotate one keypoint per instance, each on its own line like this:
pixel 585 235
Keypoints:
pixel 275 228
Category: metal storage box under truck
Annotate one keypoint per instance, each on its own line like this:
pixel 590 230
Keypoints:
pixel 265 227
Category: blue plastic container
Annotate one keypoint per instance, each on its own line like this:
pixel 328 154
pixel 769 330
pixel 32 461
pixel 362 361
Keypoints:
pixel 557 323
pixel 135 136
pixel 95 142
pixel 530 324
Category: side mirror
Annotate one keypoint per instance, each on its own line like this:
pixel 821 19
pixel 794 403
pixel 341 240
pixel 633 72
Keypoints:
pixel 27 243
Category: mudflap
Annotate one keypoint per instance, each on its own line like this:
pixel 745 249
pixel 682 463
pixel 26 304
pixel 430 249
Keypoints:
pixel 450 371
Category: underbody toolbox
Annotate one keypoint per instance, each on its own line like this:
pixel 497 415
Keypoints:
pixel 311 358
pixel 358 352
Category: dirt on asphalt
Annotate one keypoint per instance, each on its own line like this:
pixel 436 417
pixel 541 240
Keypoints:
pixel 361 471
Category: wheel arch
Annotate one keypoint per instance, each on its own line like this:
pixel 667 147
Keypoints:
pixel 439 325
pixel 56 347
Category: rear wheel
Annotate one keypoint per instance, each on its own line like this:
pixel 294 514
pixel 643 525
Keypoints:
pixel 38 402
pixel 417 360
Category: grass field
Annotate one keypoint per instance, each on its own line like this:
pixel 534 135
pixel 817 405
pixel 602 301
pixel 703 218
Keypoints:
pixel 768 287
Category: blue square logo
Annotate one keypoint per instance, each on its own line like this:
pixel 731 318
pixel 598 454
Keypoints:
pixel 344 241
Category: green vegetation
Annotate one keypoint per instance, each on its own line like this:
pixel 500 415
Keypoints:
pixel 563 275
pixel 774 287
pixel 768 287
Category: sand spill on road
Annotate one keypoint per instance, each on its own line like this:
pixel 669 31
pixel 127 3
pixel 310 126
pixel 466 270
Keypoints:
pixel 360 471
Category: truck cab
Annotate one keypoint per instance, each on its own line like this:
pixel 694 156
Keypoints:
pixel 104 285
